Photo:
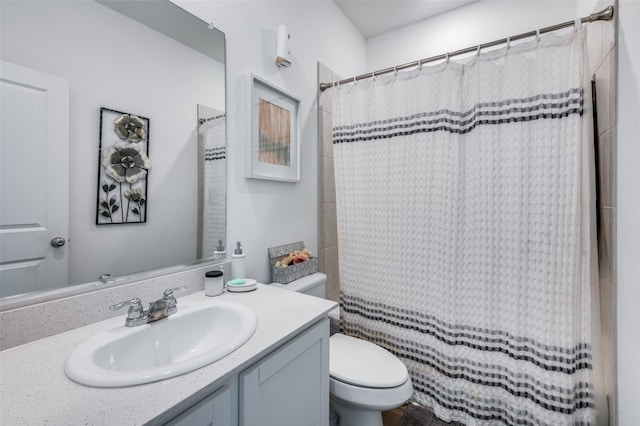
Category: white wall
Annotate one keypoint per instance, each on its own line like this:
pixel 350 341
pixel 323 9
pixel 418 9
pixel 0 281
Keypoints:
pixel 629 212
pixel 263 213
pixel 114 62
pixel 476 23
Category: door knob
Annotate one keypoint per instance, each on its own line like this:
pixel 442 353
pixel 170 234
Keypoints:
pixel 57 242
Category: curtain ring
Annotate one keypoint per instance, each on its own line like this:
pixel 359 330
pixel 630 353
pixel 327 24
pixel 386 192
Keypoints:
pixel 478 50
pixel 538 35
pixel 508 42
pixel 446 57
pixel 355 81
pixel 577 24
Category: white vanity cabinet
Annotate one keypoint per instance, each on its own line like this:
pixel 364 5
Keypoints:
pixel 218 409
pixel 287 387
pixel 279 377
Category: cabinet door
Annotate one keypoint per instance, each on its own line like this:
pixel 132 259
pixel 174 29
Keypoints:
pixel 217 409
pixel 289 387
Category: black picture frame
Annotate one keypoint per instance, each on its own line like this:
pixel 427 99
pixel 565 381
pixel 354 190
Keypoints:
pixel 123 168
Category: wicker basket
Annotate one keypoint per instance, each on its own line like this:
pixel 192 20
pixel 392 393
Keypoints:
pixel 290 273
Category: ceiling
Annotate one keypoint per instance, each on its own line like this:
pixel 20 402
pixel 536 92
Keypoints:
pixel 374 17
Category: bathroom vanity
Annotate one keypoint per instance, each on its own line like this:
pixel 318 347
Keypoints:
pixel 279 376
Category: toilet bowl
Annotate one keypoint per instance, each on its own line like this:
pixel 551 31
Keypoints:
pixel 365 379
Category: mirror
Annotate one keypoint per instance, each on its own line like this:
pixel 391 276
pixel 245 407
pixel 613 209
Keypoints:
pixel 148 59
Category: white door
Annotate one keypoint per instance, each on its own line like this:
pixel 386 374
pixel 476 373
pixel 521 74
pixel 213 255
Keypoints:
pixel 34 174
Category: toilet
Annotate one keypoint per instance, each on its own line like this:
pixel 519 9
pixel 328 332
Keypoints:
pixel 365 379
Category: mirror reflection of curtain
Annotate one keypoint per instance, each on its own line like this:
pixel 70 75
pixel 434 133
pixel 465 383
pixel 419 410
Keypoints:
pixel 211 180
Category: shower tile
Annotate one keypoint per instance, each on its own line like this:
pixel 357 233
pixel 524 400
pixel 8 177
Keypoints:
pixel 608 28
pixel 613 408
pixel 325 75
pixel 606 93
pixel 327 222
pixel 331 269
pixel 606 245
pixel 325 139
pixel 325 72
pixel 601 38
pixel 324 100
pixel 594 46
pixel 333 295
pixel 327 190
pixel 607 319
pixel 329 227
pixel 321 262
pixel 321 227
pixel 607 168
pixel 608 312
pixel 322 73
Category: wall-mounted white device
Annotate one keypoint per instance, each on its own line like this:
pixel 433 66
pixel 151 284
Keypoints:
pixel 283 47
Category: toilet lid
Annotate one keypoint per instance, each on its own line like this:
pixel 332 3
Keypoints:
pixel 361 363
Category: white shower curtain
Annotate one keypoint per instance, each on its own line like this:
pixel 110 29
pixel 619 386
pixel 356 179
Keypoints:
pixel 212 133
pixel 466 232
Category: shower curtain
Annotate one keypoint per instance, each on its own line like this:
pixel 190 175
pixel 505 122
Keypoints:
pixel 212 134
pixel 466 235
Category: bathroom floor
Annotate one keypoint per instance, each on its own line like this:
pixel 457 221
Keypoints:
pixel 417 415
pixel 393 417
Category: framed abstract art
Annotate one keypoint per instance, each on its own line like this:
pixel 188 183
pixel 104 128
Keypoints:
pixel 273 147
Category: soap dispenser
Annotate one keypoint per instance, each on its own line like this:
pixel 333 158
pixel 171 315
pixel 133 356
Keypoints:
pixel 219 252
pixel 238 259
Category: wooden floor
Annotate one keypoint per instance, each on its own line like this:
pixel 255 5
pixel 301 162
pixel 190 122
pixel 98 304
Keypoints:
pixel 393 417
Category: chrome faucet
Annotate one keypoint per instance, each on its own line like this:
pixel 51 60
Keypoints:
pixel 161 308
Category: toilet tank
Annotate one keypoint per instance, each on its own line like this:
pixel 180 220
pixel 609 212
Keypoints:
pixel 313 284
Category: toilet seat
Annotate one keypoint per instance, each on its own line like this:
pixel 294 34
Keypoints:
pixel 370 398
pixel 359 363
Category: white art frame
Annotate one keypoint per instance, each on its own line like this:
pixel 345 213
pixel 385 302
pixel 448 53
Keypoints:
pixel 273 145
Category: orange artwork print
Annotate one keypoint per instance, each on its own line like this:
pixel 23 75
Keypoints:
pixel 274 134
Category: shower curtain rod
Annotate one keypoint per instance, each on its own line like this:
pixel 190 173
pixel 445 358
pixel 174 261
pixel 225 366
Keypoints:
pixel 603 15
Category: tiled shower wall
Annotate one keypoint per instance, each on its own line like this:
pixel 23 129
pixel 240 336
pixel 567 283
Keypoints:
pixel 327 221
pixel 602 51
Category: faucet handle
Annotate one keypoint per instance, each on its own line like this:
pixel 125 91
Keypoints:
pixel 135 307
pixel 169 299
pixel 168 292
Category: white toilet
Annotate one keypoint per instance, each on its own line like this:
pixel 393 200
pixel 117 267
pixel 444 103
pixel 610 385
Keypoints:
pixel 365 379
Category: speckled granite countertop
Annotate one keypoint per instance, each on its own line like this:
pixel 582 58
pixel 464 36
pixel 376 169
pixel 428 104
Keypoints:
pixel 35 391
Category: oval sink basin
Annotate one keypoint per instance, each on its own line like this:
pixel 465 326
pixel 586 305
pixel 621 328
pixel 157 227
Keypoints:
pixel 197 335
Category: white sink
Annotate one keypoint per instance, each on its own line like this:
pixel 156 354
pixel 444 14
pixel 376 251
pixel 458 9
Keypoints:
pixel 197 335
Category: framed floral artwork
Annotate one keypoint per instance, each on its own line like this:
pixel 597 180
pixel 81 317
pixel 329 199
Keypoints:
pixel 123 167
pixel 273 147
